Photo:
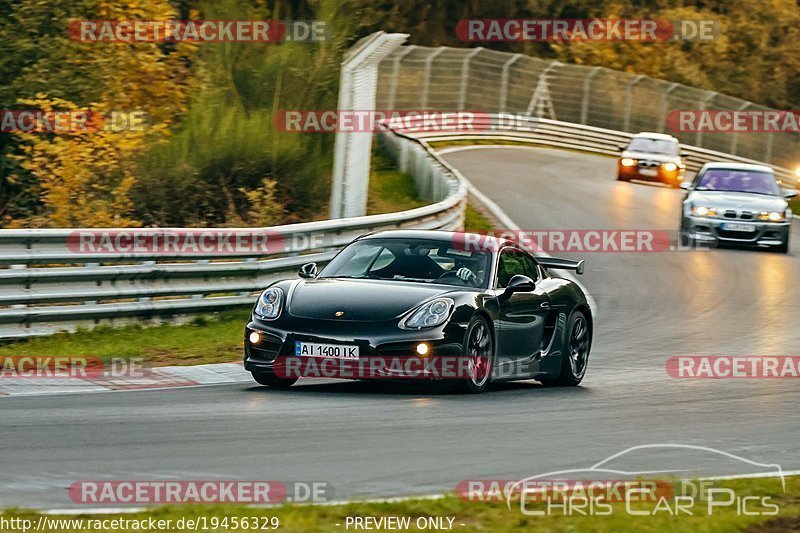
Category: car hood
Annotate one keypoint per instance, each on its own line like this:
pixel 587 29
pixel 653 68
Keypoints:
pixel 738 200
pixel 359 300
pixel 661 158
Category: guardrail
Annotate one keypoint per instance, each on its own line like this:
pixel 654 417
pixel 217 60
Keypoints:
pixel 558 134
pixel 50 284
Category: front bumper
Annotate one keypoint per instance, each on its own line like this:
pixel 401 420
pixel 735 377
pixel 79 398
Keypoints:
pixel 657 174
pixel 384 341
pixel 712 230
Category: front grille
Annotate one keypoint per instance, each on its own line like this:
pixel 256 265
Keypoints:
pixel 649 164
pixel 740 235
pixel 739 215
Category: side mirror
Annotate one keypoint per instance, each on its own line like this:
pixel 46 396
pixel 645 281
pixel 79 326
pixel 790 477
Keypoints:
pixel 309 270
pixel 622 147
pixel 519 283
pixel 789 193
pixel 686 185
pixel 686 156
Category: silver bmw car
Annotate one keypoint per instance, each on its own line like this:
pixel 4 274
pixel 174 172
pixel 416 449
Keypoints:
pixel 736 204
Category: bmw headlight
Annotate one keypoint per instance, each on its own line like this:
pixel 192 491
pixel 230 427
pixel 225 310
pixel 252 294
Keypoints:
pixel 670 167
pixel 433 313
pixel 772 216
pixel 269 303
pixel 628 162
pixel 703 211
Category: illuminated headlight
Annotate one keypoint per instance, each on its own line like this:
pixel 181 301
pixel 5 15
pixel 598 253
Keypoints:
pixel 670 167
pixel 431 314
pixel 627 162
pixel 772 216
pixel 269 303
pixel 703 211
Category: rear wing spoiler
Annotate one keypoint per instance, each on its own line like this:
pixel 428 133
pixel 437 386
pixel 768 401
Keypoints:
pixel 563 264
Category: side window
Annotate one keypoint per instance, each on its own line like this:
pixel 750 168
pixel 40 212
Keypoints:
pixel 511 263
pixel 531 270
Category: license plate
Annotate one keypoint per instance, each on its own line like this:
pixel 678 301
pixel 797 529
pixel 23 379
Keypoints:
pixel 738 227
pixel 648 172
pixel 335 351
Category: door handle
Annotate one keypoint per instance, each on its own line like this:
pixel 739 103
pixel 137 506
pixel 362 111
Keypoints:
pixel 544 305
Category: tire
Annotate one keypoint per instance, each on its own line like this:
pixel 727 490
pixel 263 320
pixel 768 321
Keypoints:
pixel 272 381
pixel 478 341
pixel 575 352
pixel 686 240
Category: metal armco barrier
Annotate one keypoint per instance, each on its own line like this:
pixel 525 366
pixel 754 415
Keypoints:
pixel 49 284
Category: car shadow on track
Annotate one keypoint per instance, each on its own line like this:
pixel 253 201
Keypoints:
pixel 402 388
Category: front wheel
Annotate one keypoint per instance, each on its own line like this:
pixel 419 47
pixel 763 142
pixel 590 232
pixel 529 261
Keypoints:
pixel 574 353
pixel 783 248
pixel 686 240
pixel 479 347
pixel 272 381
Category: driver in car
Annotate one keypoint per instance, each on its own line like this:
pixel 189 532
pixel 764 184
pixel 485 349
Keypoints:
pixel 464 273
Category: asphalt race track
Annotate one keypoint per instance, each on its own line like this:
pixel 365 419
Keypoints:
pixel 380 440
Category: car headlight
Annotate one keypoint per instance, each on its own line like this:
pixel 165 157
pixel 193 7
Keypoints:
pixel 772 216
pixel 269 303
pixel 430 314
pixel 627 162
pixel 670 167
pixel 703 211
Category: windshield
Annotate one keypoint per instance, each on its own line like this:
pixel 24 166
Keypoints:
pixel 420 260
pixel 739 181
pixel 653 146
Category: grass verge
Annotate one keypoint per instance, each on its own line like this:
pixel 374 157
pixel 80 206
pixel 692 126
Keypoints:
pixel 493 517
pixel 206 339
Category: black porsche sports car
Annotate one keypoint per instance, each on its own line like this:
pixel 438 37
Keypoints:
pixel 467 307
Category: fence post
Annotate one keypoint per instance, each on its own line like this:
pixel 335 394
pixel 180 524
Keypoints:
pixel 462 90
pixel 770 138
pixel 504 81
pixel 540 99
pixel 735 135
pixel 587 86
pixel 662 118
pixel 427 81
pixel 698 138
pixel 396 75
pixel 352 150
pixel 626 122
